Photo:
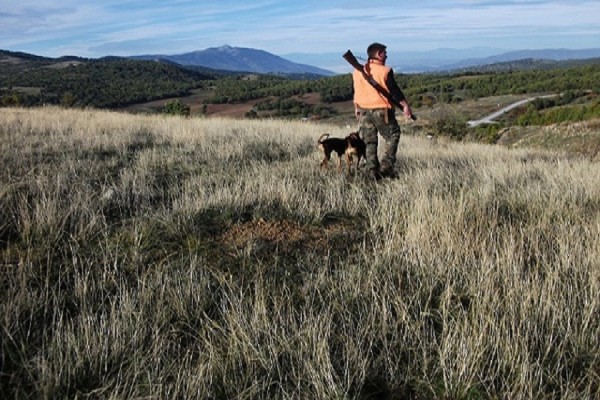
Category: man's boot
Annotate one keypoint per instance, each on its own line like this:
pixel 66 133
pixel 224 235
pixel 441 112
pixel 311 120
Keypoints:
pixel 374 174
pixel 387 171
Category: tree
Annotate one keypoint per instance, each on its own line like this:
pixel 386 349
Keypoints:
pixel 176 107
pixel 11 100
pixel 67 99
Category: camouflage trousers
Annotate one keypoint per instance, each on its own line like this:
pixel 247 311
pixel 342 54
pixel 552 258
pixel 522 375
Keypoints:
pixel 382 121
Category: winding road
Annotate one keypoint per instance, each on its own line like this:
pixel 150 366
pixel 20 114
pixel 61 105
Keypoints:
pixel 489 119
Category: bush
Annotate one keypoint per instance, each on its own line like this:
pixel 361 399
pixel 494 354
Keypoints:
pixel 11 100
pixel 450 124
pixel 559 114
pixel 176 107
pixel 488 133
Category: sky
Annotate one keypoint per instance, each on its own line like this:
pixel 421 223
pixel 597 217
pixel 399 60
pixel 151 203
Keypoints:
pixel 97 28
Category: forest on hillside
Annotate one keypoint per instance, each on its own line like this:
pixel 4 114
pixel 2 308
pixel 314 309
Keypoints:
pixel 421 88
pixel 104 83
pixel 113 83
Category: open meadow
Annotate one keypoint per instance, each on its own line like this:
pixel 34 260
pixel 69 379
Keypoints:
pixel 164 257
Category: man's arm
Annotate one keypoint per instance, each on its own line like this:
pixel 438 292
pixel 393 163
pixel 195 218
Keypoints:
pixel 393 87
pixel 397 94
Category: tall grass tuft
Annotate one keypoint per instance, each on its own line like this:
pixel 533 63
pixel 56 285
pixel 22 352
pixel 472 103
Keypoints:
pixel 167 257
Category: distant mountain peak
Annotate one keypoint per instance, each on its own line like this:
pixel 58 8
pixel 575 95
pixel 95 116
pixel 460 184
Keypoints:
pixel 225 49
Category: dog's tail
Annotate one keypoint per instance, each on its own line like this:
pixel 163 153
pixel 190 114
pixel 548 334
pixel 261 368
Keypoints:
pixel 322 137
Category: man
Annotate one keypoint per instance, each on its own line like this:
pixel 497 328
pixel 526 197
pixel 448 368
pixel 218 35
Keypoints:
pixel 376 113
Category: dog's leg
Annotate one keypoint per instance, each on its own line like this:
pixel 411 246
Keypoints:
pixel 349 163
pixel 324 163
pixel 326 157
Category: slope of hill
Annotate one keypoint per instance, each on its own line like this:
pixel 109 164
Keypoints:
pixel 239 59
pixel 109 82
pixel 14 63
pixel 153 257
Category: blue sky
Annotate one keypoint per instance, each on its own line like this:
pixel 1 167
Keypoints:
pixel 96 28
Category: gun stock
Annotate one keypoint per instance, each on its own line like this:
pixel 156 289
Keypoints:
pixel 351 59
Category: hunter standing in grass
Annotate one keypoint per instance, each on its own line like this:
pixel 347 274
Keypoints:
pixel 376 113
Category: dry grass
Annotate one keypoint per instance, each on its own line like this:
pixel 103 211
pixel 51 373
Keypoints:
pixel 158 257
pixel 582 138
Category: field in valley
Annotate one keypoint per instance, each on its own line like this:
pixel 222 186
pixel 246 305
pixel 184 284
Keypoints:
pixel 149 256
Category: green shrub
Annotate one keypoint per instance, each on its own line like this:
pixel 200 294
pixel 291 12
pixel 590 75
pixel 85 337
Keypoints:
pixel 176 107
pixel 534 116
pixel 450 124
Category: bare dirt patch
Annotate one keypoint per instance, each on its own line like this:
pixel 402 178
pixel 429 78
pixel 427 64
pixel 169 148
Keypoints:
pixel 285 235
pixel 238 110
pixel 197 107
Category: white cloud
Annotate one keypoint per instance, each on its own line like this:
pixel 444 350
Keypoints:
pixel 127 27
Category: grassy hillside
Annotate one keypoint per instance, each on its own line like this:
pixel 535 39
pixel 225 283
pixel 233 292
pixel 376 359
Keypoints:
pixel 165 257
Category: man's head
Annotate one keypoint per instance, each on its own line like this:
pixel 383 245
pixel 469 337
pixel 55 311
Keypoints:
pixel 377 51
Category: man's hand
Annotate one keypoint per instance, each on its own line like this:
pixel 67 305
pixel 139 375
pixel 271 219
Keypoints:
pixel 406 110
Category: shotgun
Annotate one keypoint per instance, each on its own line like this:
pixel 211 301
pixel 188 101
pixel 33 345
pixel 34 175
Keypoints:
pixel 351 59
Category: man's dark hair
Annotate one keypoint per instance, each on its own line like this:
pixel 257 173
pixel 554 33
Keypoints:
pixel 375 48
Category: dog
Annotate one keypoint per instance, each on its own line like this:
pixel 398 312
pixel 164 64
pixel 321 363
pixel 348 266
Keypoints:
pixel 351 145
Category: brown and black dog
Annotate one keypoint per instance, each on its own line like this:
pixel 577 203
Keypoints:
pixel 351 145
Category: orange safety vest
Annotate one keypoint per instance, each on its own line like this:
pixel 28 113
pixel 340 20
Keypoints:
pixel 365 95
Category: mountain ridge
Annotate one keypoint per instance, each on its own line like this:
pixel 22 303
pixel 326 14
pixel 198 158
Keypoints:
pixel 241 59
pixel 228 59
pixel 447 59
pixel 540 55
